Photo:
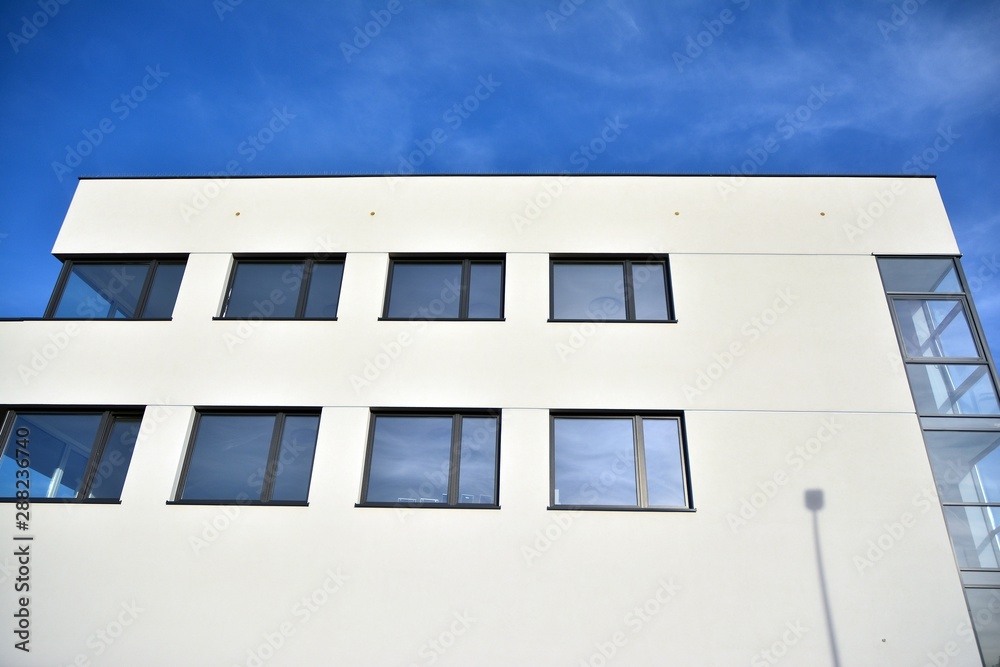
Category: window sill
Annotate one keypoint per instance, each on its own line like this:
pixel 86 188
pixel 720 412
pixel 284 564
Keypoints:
pixel 59 501
pixel 243 503
pixel 274 319
pixel 597 321
pixel 441 319
pixel 437 506
pixel 619 508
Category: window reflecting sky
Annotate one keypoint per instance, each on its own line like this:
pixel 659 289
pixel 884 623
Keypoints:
pixel 425 290
pixel 595 461
pixel 265 289
pixel 588 291
pixel 228 457
pixel 59 445
pixel 410 459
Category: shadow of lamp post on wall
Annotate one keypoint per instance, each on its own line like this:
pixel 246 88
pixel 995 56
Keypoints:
pixel 814 502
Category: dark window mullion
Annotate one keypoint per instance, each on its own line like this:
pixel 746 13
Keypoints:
pixel 640 463
pixel 463 303
pixel 96 450
pixel 57 292
pixel 300 307
pixel 271 469
pixel 629 291
pixel 147 287
pixel 455 459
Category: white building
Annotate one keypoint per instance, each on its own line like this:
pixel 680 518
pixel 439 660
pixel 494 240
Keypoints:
pixel 507 420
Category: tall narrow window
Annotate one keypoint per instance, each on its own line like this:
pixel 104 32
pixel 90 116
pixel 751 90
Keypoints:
pixel 432 459
pixel 284 289
pixel 618 461
pixel 251 457
pixel 610 289
pixel 445 289
pixel 115 290
pixel 70 455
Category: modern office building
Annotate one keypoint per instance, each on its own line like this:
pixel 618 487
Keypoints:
pixel 502 420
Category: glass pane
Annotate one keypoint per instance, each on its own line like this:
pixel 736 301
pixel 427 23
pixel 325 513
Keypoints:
pixel 99 291
pixel 163 293
pixel 324 289
pixel 664 469
pixel 966 465
pixel 265 290
pixel 650 287
pixel 477 471
pixel 110 476
pixel 954 389
pixel 58 445
pixel 595 462
pixel 295 458
pixel 425 291
pixel 973 533
pixel 229 457
pixel 902 274
pixel 983 606
pixel 485 294
pixel 935 328
pixel 410 460
pixel 588 291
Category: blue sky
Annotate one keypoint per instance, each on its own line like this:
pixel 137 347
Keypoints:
pixel 181 87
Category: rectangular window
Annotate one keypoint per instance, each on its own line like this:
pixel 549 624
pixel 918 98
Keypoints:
pixel 250 458
pixel 432 459
pixel 115 290
pixel 284 289
pixel 79 455
pixel 619 461
pixel 610 289
pixel 445 289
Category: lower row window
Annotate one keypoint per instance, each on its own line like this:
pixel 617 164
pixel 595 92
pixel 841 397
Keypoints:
pixel 433 458
pixel 71 455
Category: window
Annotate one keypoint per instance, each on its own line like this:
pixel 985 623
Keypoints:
pixel 445 289
pixel 610 289
pixel 115 290
pixel 945 359
pixel 617 461
pixel 432 459
pixel 69 455
pixel 284 289
pixel 250 458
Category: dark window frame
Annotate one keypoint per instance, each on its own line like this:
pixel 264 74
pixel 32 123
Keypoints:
pixel 466 260
pixel 454 461
pixel 642 502
pixel 308 262
pixel 270 464
pixel 626 261
pixel 152 261
pixel 985 358
pixel 108 417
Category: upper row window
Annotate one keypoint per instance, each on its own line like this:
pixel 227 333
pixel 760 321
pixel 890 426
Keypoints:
pixel 596 288
pixel 636 290
pixel 116 290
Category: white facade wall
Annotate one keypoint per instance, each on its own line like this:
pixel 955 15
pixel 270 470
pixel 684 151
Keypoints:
pixel 783 344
